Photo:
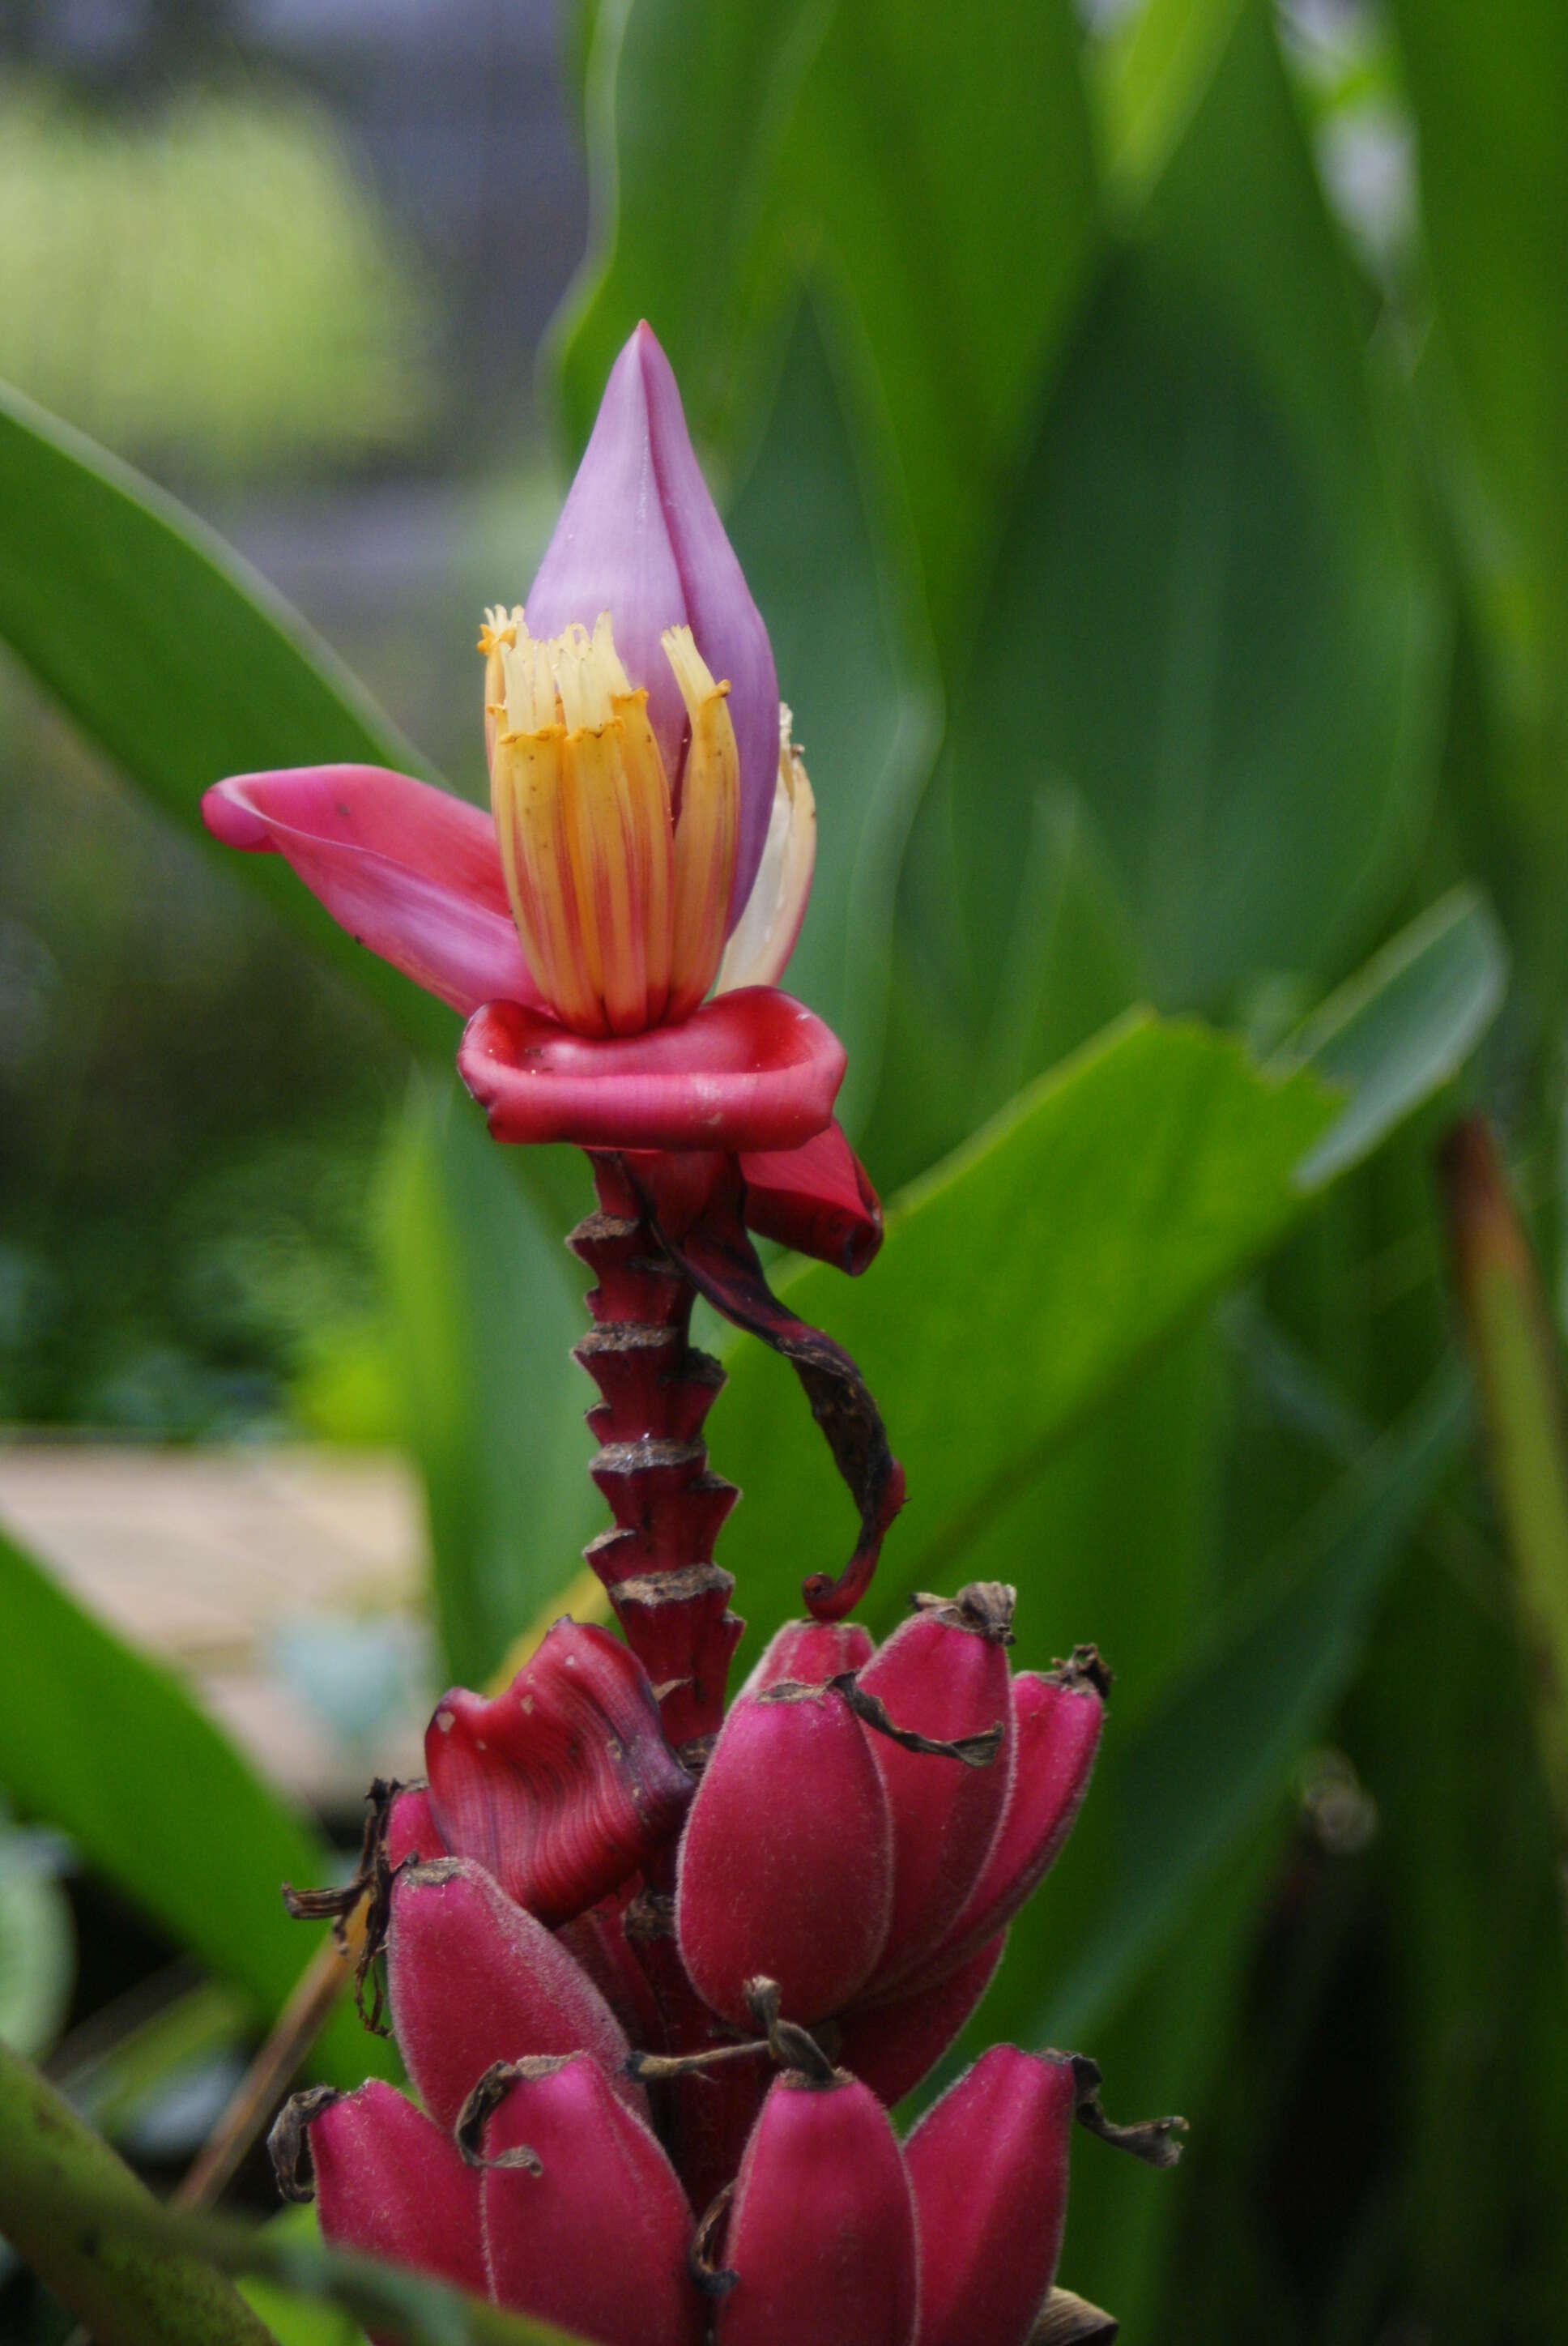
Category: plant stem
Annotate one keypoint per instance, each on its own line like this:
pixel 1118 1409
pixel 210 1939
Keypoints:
pixel 142 2275
pixel 126 2288
pixel 1518 1378
pixel 267 2080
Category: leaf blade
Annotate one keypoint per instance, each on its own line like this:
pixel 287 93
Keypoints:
pixel 1200 1773
pixel 484 1308
pixel 1079 1231
pixel 178 661
pixel 108 1745
pixel 1403 1026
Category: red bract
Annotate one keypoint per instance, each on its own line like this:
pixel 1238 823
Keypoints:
pixel 753 1070
pixel 410 872
pixel 562 1785
pixel 816 1198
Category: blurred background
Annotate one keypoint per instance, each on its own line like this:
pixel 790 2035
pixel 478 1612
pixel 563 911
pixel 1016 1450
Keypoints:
pixel 1146 431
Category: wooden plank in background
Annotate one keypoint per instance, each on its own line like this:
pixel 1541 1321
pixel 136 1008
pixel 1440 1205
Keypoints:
pixel 205 1556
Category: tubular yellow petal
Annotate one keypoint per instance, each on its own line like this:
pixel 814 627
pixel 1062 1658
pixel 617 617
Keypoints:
pixel 528 800
pixel 647 789
pixel 706 827
pixel 764 937
pixel 531 703
pixel 602 838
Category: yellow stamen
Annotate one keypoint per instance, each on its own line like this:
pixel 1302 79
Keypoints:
pixel 500 627
pixel 653 829
pixel 529 804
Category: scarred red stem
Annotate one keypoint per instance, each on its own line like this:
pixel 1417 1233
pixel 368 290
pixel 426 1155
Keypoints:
pixel 670 1598
pixel 707 2117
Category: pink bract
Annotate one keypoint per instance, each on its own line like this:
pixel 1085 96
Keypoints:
pixel 750 1070
pixel 411 872
pixel 816 1199
pixel 640 536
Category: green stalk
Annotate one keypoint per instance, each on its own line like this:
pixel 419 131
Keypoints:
pixel 75 2211
pixel 137 2274
pixel 1518 1378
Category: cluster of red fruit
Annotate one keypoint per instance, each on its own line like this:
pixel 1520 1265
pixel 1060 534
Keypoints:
pixel 630 1984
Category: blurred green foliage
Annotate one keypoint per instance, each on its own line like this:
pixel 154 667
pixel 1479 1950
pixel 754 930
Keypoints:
pixel 205 283
pixel 1146 444
pixel 104 1742
pixel 37 1942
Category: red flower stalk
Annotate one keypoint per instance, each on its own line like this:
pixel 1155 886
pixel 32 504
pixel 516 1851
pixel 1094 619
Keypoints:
pixel 600 1859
